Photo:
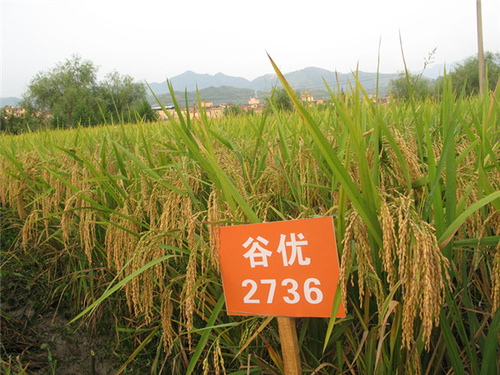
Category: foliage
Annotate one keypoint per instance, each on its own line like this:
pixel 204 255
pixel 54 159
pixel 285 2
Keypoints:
pixel 62 89
pixel 465 75
pixel 124 218
pixel 281 99
pixel 145 113
pixel 118 95
pixel 15 121
pixel 10 123
pixel 69 95
pixel 233 110
pixel 412 85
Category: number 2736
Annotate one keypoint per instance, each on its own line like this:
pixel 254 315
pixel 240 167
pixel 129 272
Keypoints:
pixel 311 292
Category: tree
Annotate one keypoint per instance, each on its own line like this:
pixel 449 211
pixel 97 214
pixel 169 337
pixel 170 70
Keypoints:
pixel 60 90
pixel 10 123
pixel 119 95
pixel 419 86
pixel 233 110
pixel 71 95
pixel 466 74
pixel 145 113
pixel 281 99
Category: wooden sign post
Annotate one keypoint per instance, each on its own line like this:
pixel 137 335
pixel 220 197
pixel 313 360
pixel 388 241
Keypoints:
pixel 285 269
pixel 289 346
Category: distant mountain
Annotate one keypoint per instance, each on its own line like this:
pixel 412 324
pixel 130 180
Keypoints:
pixel 191 81
pixel 305 79
pixel 10 101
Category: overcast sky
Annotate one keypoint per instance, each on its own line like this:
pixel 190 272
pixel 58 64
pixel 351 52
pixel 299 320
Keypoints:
pixel 155 40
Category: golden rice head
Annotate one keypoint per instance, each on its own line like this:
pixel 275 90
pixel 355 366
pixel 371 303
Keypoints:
pixel 389 241
pixel 142 287
pixel 144 188
pixel 250 326
pixel 153 200
pixel 213 217
pixel 423 271
pixel 47 201
pixel 189 291
pixel 412 255
pixel 392 172
pixel 403 234
pixel 85 212
pixel 31 173
pixel 218 359
pixel 121 244
pixel 4 183
pixel 171 218
pixel 141 251
pixel 191 171
pixel 474 226
pixel 495 280
pixel 357 232
pixel 345 261
pixel 413 365
pixel 75 209
pixel 270 180
pixel 166 320
pixel 87 231
pixel 59 189
pixel 18 190
pixel 74 179
pixel 467 191
pixel 29 229
pixel 365 264
pixel 495 272
pixel 67 220
pixel 206 366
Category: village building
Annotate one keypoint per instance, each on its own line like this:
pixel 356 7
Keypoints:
pixel 307 99
pixel 208 108
pixel 254 102
pixel 384 101
pixel 10 110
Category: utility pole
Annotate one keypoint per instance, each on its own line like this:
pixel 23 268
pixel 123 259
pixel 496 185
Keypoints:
pixel 480 54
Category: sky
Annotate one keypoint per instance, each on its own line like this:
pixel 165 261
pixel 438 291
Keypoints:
pixel 155 40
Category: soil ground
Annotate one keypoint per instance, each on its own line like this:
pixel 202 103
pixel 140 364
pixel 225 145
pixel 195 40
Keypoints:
pixel 36 337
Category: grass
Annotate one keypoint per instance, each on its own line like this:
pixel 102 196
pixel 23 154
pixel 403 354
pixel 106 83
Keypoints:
pixel 121 220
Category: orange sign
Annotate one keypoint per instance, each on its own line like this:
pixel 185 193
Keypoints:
pixel 286 268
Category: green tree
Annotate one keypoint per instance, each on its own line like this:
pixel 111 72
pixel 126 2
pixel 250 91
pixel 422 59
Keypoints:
pixel 14 121
pixel 83 115
pixel 61 89
pixel 71 95
pixel 233 110
pixel 281 99
pixel 9 123
pixel 119 95
pixel 419 86
pixel 145 113
pixel 465 75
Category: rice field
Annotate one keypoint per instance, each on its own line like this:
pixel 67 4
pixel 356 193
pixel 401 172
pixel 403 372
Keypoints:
pixel 118 223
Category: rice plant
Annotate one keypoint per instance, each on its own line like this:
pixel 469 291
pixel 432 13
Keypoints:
pixel 121 221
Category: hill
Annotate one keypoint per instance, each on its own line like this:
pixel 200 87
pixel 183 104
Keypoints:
pixel 10 101
pixel 304 79
pixel 221 88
